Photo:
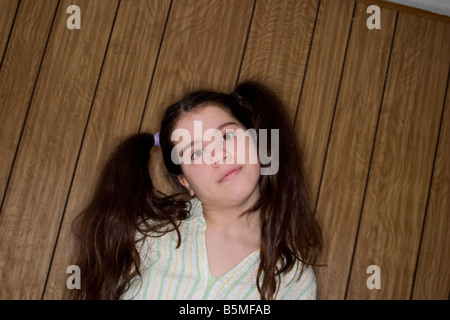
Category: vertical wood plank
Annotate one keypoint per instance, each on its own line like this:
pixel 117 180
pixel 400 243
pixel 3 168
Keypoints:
pixel 18 75
pixel 318 99
pixel 278 46
pixel 350 146
pixel 7 12
pixel 45 161
pixel 432 280
pixel 400 172
pixel 202 49
pixel 116 112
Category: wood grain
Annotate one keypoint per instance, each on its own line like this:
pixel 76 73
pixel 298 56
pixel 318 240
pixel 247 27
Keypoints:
pixel 45 161
pixel 278 46
pixel 18 76
pixel 7 13
pixel 350 146
pixel 202 49
pixel 116 113
pixel 432 280
pixel 318 98
pixel 401 168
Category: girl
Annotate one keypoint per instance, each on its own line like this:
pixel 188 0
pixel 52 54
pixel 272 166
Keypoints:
pixel 229 233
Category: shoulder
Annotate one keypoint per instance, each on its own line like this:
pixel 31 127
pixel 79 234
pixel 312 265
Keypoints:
pixel 145 238
pixel 195 208
pixel 298 284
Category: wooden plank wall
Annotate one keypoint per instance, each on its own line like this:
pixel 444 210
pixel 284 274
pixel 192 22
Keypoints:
pixel 371 109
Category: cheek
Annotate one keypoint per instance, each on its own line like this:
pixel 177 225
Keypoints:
pixel 245 151
pixel 195 174
pixel 255 172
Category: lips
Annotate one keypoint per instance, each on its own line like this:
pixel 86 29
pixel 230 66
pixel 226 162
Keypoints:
pixel 230 173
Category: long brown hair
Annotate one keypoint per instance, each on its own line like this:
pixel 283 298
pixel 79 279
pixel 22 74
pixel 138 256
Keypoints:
pixel 126 203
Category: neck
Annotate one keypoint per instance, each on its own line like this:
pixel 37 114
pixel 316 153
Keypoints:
pixel 230 218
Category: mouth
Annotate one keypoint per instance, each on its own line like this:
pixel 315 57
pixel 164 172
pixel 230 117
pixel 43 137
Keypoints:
pixel 230 174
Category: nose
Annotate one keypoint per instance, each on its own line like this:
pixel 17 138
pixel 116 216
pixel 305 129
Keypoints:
pixel 219 155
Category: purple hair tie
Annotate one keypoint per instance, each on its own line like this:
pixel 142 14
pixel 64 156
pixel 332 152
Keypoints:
pixel 156 139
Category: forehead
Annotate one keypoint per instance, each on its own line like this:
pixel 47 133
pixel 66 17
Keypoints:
pixel 211 116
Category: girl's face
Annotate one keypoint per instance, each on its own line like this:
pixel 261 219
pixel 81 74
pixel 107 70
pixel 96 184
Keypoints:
pixel 219 160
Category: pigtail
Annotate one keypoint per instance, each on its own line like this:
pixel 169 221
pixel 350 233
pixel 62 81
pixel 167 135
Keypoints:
pixel 124 202
pixel 289 231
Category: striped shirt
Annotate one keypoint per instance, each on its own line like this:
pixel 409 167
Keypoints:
pixel 183 273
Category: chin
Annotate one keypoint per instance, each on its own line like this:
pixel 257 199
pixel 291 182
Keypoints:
pixel 241 192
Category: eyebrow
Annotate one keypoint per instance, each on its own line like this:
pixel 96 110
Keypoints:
pixel 218 128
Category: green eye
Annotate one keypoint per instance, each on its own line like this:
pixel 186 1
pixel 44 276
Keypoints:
pixel 197 153
pixel 228 136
